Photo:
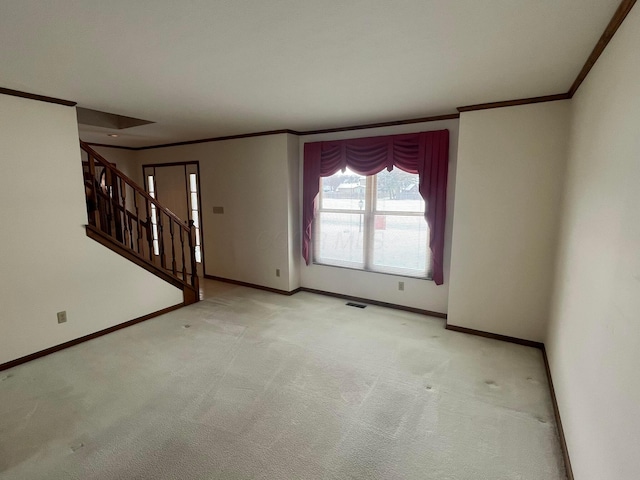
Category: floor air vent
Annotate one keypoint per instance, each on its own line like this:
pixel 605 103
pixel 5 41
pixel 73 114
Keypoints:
pixel 357 305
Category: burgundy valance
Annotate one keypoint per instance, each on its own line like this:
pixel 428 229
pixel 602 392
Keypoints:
pixel 425 153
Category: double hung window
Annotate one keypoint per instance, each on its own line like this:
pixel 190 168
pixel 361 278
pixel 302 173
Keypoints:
pixel 374 223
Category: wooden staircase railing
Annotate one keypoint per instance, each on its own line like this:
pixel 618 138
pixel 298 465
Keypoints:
pixel 127 219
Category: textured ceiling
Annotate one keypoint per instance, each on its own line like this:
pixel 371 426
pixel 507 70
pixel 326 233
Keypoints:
pixel 205 68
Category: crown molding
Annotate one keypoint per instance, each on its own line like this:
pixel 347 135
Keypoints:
pixel 511 103
pixel 111 146
pixel 435 118
pixel 40 98
pixel 618 17
pixel 219 139
pixel 449 116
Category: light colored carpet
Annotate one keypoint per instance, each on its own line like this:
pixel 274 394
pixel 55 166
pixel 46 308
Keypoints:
pixel 249 384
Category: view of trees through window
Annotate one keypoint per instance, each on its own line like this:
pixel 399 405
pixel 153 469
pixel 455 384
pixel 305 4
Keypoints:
pixel 373 223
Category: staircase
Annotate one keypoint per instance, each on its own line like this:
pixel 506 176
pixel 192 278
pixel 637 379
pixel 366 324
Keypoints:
pixel 129 221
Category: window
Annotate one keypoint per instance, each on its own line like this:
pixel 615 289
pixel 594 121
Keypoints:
pixel 374 223
pixel 425 154
pixel 154 215
pixel 195 214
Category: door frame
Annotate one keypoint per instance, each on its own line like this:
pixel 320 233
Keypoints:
pixel 200 210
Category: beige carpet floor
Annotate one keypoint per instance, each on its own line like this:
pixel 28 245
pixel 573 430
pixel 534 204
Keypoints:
pixel 252 385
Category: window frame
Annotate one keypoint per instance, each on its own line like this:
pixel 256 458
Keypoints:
pixel 188 166
pixel 369 212
pixel 195 213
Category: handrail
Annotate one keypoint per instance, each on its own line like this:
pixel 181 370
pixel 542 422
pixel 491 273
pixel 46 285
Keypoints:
pixel 140 228
pixel 105 163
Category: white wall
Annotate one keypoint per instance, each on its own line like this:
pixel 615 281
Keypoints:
pixel 511 164
pixel 250 178
pixel 593 336
pixel 125 160
pixel 423 294
pixel 47 263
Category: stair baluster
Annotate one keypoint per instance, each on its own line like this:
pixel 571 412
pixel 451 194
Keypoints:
pixel 112 223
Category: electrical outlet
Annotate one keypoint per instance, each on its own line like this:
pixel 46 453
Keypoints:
pixel 401 286
pixel 62 317
pixel 277 272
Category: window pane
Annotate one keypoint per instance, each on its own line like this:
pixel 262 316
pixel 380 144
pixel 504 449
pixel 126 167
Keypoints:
pixel 397 191
pixel 344 191
pixel 339 238
pixel 151 185
pixel 196 218
pixel 401 245
pixel 198 254
pixel 193 183
pixel 194 201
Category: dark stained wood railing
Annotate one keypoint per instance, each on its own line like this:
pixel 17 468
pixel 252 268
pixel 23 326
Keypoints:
pixel 124 217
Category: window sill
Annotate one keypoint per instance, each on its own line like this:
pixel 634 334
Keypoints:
pixel 428 278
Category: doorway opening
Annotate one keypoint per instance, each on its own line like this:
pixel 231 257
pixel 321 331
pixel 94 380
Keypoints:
pixel 177 186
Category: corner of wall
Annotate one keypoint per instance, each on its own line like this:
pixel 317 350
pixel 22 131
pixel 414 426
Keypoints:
pixel 294 237
pixel 509 183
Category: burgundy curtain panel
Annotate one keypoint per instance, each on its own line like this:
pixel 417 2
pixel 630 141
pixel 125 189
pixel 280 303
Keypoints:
pixel 425 153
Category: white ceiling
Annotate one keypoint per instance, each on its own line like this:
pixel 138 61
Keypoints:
pixel 205 68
